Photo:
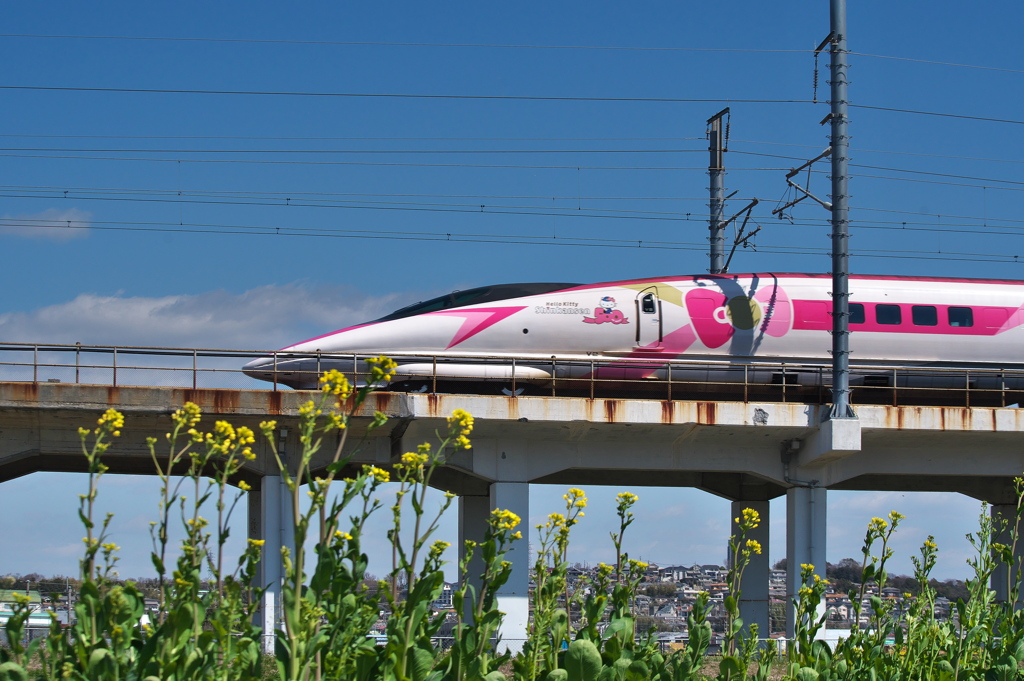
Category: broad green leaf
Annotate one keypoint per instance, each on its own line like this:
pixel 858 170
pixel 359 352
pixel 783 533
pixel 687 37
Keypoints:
pixel 9 671
pixel 637 671
pixel 806 674
pixel 582 661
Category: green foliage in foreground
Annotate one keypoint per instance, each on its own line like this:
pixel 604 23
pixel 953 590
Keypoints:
pixel 328 607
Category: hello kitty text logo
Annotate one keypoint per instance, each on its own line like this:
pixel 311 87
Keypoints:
pixel 605 313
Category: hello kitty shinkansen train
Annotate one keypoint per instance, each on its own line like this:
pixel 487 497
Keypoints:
pixel 628 330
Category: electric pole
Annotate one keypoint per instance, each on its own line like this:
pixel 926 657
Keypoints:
pixel 841 408
pixel 716 170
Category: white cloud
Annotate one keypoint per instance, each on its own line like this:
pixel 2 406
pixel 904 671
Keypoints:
pixel 52 224
pixel 263 318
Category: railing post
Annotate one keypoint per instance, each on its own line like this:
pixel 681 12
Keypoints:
pixel 967 389
pixel 895 379
pixel 513 377
pixel 115 368
pixel 78 360
pixel 35 363
pixel 195 362
pixel 593 377
pixel 746 382
pixel 668 378
pixel 275 371
pixel 433 376
pixel 553 378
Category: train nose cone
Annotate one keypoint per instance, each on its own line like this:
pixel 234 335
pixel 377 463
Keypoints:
pixel 261 368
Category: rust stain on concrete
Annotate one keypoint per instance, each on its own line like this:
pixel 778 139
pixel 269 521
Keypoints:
pixel 382 401
pixel 513 407
pixel 226 401
pixel 707 413
pixel 274 402
pixel 668 411
pixel 611 410
pixel 29 392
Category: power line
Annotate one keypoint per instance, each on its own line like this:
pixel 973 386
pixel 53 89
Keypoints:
pixel 434 208
pixel 283 194
pixel 442 138
pixel 367 163
pixel 925 172
pixel 351 151
pixel 936 113
pixel 508 166
pixel 567 211
pixel 248 230
pixel 937 63
pixel 406 44
pixel 874 151
pixel 618 48
pixel 940 182
pixel 361 138
pixel 403 95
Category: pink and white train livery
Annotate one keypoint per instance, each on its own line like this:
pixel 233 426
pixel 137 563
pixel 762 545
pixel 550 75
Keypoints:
pixel 607 330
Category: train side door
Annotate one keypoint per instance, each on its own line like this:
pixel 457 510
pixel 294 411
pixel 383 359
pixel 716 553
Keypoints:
pixel 648 319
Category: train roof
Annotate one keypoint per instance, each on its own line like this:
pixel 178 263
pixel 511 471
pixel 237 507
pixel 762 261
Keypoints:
pixel 799 275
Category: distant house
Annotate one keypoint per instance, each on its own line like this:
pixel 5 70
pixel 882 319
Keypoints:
pixel 38 617
pixel 444 601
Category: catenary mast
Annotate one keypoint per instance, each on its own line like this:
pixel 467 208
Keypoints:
pixel 841 408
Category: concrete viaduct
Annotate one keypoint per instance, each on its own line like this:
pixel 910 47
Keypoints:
pixel 746 452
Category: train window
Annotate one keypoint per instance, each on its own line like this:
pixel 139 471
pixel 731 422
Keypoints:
pixel 961 316
pixel 856 313
pixel 474 296
pixel 888 314
pixel 924 315
pixel 647 304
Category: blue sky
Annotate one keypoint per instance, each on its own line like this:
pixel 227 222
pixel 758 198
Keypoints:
pixel 459 192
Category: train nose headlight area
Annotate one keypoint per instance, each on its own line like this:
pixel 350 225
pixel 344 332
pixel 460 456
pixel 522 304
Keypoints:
pixel 300 372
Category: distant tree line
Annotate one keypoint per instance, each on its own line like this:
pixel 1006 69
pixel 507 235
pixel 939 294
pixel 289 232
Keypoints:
pixel 845 576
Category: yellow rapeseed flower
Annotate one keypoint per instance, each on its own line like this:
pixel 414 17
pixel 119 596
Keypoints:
pixel 244 486
pixel 334 382
pixel 575 498
pixel 111 422
pixel 188 416
pixel 503 519
pixel 415 459
pixel 378 474
pixel 381 368
pixel 751 518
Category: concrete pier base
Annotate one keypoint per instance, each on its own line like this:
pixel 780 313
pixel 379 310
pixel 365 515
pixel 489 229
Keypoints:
pixel 754 586
pixel 806 515
pixel 513 597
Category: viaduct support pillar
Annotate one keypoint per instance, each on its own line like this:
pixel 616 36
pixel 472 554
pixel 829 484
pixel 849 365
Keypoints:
pixel 271 520
pixel 805 541
pixel 1005 577
pixel 513 597
pixel 754 587
pixel 473 513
